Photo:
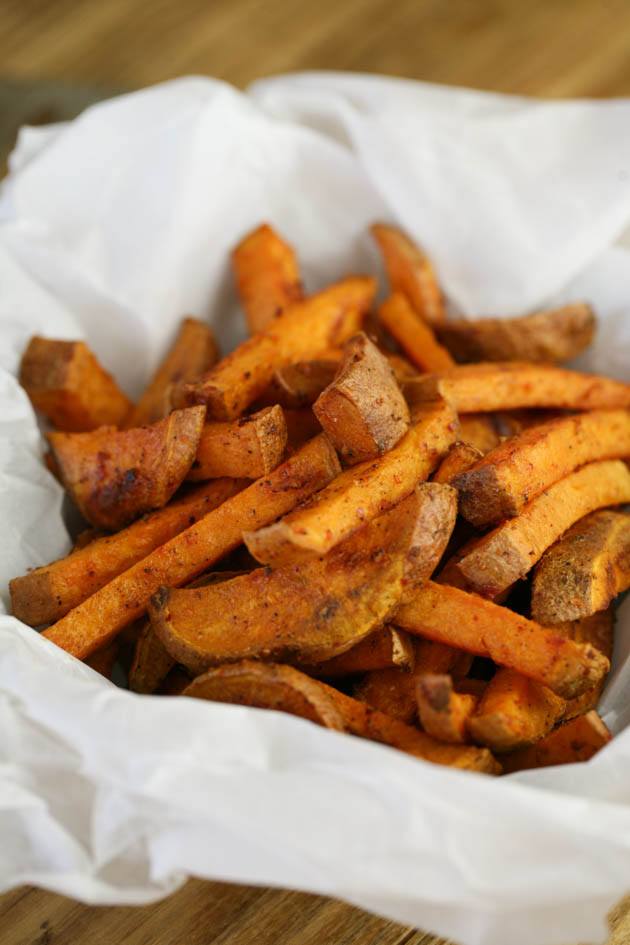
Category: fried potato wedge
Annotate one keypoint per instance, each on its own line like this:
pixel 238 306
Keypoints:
pixel 114 476
pixel 466 621
pixel 570 743
pixel 459 459
pixel 286 689
pixel 67 384
pixel 304 328
pixel 479 431
pixel 444 713
pixel 583 571
pixel 193 352
pixel 304 613
pixel 414 335
pixel 47 593
pixel 491 564
pixel 511 385
pixel 363 410
pixel 410 272
pixel 358 494
pixel 267 276
pixel 253 445
pixel 503 481
pixel 553 335
pixel 103 615
pixel 386 647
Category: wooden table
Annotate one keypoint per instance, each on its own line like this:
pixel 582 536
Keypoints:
pixel 67 53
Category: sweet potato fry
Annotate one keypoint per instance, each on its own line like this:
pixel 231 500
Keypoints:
pixel 103 660
pixel 553 335
pixel 267 276
pixel 286 689
pixel 502 482
pixel 115 476
pixel 491 564
pixel 466 621
pixel 598 630
pixel 410 272
pixel 413 334
pixel 304 613
pixel 300 384
pixel 358 494
pixel 435 520
pixel 385 648
pixel 511 385
pixel 47 593
pixel 585 570
pixel 363 410
pixel 514 711
pixel 301 426
pixel 193 352
pixel 101 617
pixel 304 328
pixel 245 448
pixel 460 458
pixel 444 713
pixel 151 662
pixel 570 743
pixel 478 430
pixel 67 384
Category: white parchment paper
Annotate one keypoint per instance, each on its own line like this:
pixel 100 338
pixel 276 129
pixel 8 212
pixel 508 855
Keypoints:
pixel 113 227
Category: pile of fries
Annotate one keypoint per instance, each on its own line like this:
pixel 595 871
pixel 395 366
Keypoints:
pixel 391 523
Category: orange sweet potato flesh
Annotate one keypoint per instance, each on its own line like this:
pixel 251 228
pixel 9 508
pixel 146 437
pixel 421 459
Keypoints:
pixel 192 353
pixel 491 564
pixel 304 328
pixel 583 571
pixel 47 593
pixel 386 647
pixel 359 493
pixel 103 660
pixel 243 449
pixel 114 476
pixel 570 743
pixel 459 459
pixel 466 621
pixel 286 689
pixel 414 335
pixel 511 385
pixel 598 630
pixel 410 272
pixel 103 615
pixel 444 713
pixel 66 383
pixel 502 482
pixel 553 335
pixel 151 662
pixel 304 613
pixel 363 410
pixel 299 384
pixel 267 276
pixel 479 431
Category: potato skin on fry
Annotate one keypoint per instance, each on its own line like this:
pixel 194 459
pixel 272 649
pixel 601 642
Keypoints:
pixel 583 571
pixel 253 445
pixel 363 410
pixel 267 276
pixel 66 383
pixel 572 742
pixel 114 476
pixel 410 272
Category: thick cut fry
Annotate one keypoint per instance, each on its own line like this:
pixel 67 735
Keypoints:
pixel 479 431
pixel 267 276
pixel 557 334
pixel 101 617
pixel 304 613
pixel 286 689
pixel 47 593
pixel 244 449
pixel 511 385
pixel 570 743
pixel 444 713
pixel 450 615
pixel 514 711
pixel 414 335
pixel 358 494
pixel 104 660
pixel 193 352
pixel 585 570
pixel 115 476
pixel 435 520
pixel 598 630
pixel 410 272
pixel 304 328
pixel 490 565
pixel 502 482
pixel 460 458
pixel 151 662
pixel 363 410
pixel 67 384
pixel 386 647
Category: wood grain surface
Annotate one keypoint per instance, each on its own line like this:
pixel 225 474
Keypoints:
pixel 57 56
